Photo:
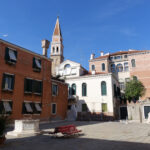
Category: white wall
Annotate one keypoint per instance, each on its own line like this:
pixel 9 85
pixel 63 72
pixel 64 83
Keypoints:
pixel 94 99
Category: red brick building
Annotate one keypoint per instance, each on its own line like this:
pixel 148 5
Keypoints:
pixel 26 87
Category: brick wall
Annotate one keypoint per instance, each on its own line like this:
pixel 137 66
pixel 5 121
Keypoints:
pixel 141 70
pixel 23 69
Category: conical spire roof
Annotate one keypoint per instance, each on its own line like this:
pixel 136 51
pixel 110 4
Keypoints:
pixel 57 30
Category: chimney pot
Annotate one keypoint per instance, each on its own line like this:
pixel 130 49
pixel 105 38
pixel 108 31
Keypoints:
pixel 102 53
pixel 45 46
pixel 92 56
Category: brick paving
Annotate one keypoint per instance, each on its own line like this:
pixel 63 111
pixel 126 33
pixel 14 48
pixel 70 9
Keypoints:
pixel 97 135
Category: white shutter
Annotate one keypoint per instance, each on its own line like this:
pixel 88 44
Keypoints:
pixel 37 63
pixel 7 106
pixel 37 106
pixel 28 107
pixel 12 55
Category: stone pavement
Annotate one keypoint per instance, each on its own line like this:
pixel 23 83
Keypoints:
pixel 97 135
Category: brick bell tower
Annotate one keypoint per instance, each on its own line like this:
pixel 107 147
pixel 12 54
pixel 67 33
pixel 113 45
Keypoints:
pixel 56 47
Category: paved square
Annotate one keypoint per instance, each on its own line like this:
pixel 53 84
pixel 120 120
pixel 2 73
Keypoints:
pixel 97 135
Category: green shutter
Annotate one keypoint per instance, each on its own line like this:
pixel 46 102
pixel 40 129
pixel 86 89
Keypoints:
pixel 103 88
pixel 7 58
pixel 104 107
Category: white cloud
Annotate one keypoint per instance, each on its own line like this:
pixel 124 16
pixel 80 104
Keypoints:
pixel 5 35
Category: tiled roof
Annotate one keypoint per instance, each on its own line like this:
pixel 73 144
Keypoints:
pixel 120 53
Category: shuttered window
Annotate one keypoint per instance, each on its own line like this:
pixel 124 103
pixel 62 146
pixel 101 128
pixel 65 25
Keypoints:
pixel 36 64
pixel 10 55
pixel 103 67
pixel 28 85
pixel 37 87
pixel 8 82
pixel 5 107
pixel 104 107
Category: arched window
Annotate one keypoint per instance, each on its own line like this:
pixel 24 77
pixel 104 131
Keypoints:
pixel 103 88
pixel 53 49
pixel 133 62
pixel 84 89
pixel 103 67
pixel 67 69
pixel 113 68
pixel 119 68
pixel 73 89
pixel 93 67
pixel 57 49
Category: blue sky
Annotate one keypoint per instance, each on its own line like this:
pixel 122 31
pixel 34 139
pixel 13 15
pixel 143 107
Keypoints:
pixel 88 26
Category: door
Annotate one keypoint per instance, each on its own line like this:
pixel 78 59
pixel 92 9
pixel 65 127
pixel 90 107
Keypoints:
pixel 123 113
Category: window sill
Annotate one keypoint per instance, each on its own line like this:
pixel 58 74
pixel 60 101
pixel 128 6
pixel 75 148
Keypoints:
pixel 7 90
pixel 10 62
pixel 36 70
pixel 39 94
pixel 27 92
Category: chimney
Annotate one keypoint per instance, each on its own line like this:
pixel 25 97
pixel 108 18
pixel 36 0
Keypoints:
pixel 102 53
pixel 45 46
pixel 92 56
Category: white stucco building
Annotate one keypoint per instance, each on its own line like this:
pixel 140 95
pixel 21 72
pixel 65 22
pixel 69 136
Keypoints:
pixel 93 92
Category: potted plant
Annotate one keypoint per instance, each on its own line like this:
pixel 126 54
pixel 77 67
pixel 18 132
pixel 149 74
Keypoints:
pixel 3 123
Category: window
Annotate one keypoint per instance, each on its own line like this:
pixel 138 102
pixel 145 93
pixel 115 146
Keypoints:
pixel 115 90
pixel 111 58
pixel 8 82
pixel 104 107
pixel 37 108
pixel 5 107
pixel 126 68
pixel 146 111
pixel 135 78
pixel 37 64
pixel 133 63
pixel 118 57
pixel 57 49
pixel 27 108
pixel 54 89
pixel 93 67
pixel 37 87
pixel 103 67
pixel 118 91
pixel 53 108
pixel 10 55
pixel 73 89
pixel 84 108
pixel 31 108
pixel 53 49
pixel 103 88
pixel 28 85
pixel 119 68
pixel 125 56
pixel 84 89
pixel 67 69
pixel 122 86
pixel 113 67
pixel 127 79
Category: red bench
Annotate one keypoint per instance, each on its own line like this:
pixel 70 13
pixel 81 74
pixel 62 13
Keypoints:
pixel 66 130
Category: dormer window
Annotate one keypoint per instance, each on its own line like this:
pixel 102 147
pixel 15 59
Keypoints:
pixel 37 64
pixel 10 55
